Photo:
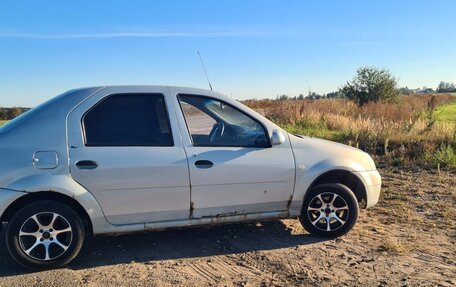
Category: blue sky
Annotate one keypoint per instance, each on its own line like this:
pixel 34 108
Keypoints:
pixel 252 49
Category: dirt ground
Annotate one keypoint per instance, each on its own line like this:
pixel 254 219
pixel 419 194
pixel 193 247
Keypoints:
pixel 407 240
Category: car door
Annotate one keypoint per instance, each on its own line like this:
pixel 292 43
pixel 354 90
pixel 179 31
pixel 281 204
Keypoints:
pixel 237 174
pixel 125 148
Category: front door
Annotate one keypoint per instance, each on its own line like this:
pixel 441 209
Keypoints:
pixel 233 167
pixel 125 149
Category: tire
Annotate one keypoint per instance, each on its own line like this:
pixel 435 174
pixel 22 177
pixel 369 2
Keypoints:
pixel 329 210
pixel 53 229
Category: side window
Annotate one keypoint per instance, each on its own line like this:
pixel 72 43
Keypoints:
pixel 198 122
pixel 128 120
pixel 211 122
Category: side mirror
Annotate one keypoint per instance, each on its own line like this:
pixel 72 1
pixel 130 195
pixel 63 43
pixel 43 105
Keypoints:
pixel 277 137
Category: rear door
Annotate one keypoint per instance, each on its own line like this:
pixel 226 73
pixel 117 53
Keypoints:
pixel 125 148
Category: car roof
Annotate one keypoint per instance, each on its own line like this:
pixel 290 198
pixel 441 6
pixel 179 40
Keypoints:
pixel 144 88
pixel 140 86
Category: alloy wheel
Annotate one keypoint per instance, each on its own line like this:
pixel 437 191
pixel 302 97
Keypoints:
pixel 328 211
pixel 45 236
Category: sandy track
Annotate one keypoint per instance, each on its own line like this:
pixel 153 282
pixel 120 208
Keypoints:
pixel 408 239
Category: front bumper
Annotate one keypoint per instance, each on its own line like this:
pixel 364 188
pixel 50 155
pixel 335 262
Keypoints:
pixel 8 196
pixel 372 182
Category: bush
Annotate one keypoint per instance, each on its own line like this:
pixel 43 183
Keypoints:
pixel 371 85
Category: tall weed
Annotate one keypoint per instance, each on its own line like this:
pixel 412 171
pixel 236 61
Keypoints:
pixel 403 131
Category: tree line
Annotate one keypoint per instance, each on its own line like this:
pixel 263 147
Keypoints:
pixel 11 113
pixel 371 84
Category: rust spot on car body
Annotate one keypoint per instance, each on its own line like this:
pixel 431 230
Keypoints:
pixel 192 208
pixel 290 199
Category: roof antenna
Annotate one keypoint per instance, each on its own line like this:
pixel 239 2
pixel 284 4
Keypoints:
pixel 205 72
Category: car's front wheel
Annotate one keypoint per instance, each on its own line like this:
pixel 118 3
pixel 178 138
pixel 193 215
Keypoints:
pixel 329 210
pixel 45 234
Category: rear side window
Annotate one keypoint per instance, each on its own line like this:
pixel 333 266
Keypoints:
pixel 128 120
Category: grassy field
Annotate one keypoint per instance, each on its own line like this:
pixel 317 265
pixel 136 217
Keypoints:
pixel 447 113
pixel 403 133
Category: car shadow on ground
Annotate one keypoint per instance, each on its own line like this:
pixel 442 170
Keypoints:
pixel 174 244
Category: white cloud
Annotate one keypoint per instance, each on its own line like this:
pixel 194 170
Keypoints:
pixel 361 43
pixel 119 35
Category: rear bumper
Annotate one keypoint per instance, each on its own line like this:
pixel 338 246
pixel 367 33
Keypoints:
pixel 7 196
pixel 372 182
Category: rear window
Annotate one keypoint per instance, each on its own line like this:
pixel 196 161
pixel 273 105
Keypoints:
pixel 128 120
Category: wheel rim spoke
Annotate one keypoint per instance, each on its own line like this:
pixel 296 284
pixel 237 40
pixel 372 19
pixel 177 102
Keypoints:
pixel 314 209
pixel 62 230
pixel 64 247
pixel 338 219
pixel 54 217
pixel 37 235
pixel 334 199
pixel 321 199
pixel 340 208
pixel 318 219
pixel 37 242
pixel 35 218
pixel 46 247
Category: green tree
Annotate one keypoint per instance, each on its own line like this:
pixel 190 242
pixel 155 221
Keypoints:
pixel 282 98
pixel 371 85
pixel 13 112
pixel 2 114
pixel 445 87
pixel 334 95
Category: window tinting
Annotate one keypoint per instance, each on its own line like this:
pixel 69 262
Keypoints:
pixel 128 120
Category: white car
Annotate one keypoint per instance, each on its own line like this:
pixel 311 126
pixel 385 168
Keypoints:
pixel 120 159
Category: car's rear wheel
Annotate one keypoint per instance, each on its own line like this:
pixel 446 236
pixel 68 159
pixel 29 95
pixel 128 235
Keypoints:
pixel 45 234
pixel 329 210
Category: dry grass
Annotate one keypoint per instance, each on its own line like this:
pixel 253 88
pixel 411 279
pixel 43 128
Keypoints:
pixel 403 131
pixel 393 246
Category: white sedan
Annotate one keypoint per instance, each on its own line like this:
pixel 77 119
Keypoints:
pixel 119 159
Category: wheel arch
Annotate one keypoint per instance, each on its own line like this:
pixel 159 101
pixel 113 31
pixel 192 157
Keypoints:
pixel 47 195
pixel 327 173
pixel 64 187
pixel 345 177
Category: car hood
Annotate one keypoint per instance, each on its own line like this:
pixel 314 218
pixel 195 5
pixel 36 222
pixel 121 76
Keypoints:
pixel 312 151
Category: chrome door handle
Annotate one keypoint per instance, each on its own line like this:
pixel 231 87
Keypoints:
pixel 86 164
pixel 203 164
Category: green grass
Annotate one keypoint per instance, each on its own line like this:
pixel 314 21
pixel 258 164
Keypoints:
pixel 446 113
pixel 444 156
pixel 318 131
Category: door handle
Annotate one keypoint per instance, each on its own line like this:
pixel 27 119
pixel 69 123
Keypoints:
pixel 203 164
pixel 86 164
